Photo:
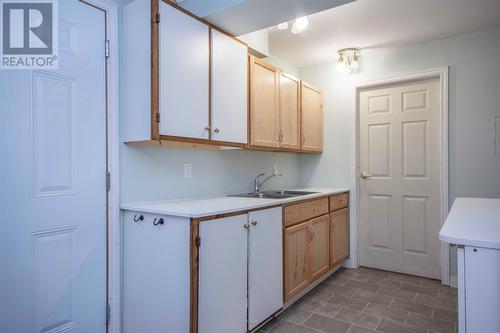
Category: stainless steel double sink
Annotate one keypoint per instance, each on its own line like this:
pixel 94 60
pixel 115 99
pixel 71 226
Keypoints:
pixel 274 194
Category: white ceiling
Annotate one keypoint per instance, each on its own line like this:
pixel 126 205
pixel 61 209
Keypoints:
pixel 381 23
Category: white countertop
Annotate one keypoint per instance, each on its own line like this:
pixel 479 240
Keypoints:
pixel 200 207
pixel 473 222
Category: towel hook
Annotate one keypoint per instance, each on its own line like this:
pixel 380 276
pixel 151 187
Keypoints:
pixel 158 221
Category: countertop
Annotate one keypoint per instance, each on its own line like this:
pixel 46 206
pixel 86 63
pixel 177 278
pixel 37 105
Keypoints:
pixel 201 207
pixel 473 222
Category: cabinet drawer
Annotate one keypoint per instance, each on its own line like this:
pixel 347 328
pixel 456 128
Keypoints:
pixel 339 201
pixel 305 210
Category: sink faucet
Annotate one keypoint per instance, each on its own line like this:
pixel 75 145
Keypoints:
pixel 258 183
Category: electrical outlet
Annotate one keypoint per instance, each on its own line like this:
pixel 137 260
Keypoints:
pixel 187 170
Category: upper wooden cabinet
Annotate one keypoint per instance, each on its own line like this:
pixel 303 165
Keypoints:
pixel 183 74
pixel 263 104
pixel 311 118
pixel 289 111
pixel 229 89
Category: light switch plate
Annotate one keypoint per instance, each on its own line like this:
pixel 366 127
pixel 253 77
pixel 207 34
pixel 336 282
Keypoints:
pixel 188 168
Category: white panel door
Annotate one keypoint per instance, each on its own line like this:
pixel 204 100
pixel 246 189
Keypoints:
pixel 400 197
pixel 222 292
pixel 229 89
pixel 184 67
pixel 482 290
pixel 265 265
pixel 52 176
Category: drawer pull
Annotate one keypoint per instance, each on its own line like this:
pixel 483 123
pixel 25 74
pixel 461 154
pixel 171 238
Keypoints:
pixel 138 219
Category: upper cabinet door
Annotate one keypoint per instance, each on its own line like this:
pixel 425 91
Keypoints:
pixel 184 74
pixel 263 104
pixel 312 118
pixel 289 111
pixel 229 89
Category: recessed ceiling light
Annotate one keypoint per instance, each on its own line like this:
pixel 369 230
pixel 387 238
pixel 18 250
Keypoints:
pixel 283 26
pixel 300 24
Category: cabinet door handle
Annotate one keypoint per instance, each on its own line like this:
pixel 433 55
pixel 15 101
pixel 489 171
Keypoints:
pixel 246 225
pixel 216 130
pixel 207 128
pixel 303 139
pixel 254 222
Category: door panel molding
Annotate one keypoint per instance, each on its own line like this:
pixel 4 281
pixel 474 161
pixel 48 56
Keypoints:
pixel 414 101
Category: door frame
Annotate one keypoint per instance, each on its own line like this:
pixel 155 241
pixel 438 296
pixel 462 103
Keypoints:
pixel 113 286
pixel 442 74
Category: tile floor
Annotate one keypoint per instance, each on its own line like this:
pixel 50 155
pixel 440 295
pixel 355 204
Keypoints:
pixel 368 301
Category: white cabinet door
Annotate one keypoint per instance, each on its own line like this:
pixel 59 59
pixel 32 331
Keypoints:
pixel 265 265
pixel 184 67
pixel 229 89
pixel 222 303
pixel 482 290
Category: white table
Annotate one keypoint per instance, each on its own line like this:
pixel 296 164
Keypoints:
pixel 473 225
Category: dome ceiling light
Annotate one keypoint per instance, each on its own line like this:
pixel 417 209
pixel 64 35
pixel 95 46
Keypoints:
pixel 299 25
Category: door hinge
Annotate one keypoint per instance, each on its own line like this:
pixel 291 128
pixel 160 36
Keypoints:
pixel 157 117
pixel 106 48
pixel 108 314
pixel 108 181
pixel 157 17
pixel 198 241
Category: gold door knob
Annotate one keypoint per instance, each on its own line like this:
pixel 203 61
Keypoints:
pixel 216 130
pixel 364 174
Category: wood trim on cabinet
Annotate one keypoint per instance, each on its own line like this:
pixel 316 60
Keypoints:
pixel 155 71
pixel 194 274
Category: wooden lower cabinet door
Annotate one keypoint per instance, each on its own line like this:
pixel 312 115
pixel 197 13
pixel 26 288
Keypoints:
pixel 319 247
pixel 339 236
pixel 296 259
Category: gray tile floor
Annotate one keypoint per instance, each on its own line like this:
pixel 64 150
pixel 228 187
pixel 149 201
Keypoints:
pixel 367 301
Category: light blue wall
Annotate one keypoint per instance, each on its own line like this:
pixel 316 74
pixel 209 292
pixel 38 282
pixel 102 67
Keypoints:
pixel 158 173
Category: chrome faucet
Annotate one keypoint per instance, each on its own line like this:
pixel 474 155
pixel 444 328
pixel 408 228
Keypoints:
pixel 258 184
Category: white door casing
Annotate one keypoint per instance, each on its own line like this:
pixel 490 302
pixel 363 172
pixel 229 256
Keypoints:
pixel 53 146
pixel 265 265
pixel 400 201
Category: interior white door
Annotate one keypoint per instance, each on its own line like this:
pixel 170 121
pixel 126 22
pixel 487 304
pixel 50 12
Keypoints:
pixel 52 175
pixel 184 66
pixel 222 292
pixel 265 265
pixel 399 152
pixel 229 89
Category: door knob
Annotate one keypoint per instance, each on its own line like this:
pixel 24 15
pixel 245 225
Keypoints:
pixel 364 174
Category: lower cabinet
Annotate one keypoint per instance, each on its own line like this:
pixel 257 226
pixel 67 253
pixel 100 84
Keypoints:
pixel 478 289
pixel 317 244
pixel 307 247
pixel 339 236
pixel 240 271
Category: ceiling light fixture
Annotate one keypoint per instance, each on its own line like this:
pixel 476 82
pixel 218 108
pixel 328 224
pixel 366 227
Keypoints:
pixel 348 61
pixel 283 26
